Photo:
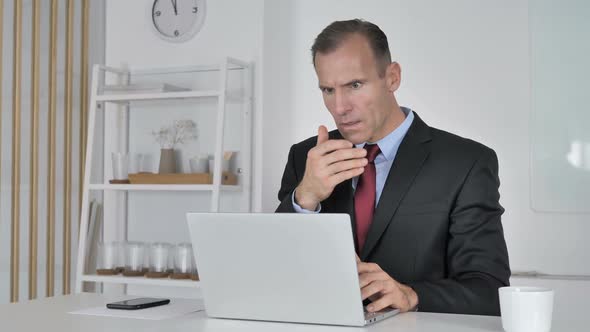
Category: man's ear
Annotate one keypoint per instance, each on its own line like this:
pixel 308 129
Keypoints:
pixel 393 76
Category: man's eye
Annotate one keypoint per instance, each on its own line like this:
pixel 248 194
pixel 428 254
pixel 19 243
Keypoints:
pixel 356 85
pixel 327 91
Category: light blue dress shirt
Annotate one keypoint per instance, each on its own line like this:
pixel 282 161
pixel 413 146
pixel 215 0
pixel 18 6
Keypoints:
pixel 388 146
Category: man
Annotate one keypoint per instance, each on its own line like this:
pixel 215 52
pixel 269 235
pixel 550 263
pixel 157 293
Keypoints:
pixel 424 203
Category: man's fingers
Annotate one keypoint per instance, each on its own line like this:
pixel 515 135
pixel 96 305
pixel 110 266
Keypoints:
pixel 332 145
pixel 377 287
pixel 345 175
pixel 322 135
pixel 383 291
pixel 373 288
pixel 345 165
pixel 367 278
pixel 388 300
pixel 345 154
pixel 374 297
pixel 358 260
pixel 368 267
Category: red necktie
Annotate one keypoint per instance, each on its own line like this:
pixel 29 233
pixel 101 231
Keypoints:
pixel 364 196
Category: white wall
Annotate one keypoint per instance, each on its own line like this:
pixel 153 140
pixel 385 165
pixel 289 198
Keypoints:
pixel 279 88
pixel 465 69
pixel 231 28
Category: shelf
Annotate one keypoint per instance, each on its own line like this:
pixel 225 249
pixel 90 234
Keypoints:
pixel 157 96
pixel 118 279
pixel 162 187
pixel 221 89
pixel 233 64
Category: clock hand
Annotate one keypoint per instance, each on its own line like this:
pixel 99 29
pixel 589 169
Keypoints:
pixel 174 6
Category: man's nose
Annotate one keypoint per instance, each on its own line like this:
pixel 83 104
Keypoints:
pixel 341 103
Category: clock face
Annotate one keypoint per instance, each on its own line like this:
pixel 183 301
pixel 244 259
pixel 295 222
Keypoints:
pixel 178 20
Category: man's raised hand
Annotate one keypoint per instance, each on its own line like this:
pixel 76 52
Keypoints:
pixel 329 163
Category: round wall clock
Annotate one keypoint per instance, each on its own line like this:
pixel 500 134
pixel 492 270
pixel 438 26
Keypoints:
pixel 178 20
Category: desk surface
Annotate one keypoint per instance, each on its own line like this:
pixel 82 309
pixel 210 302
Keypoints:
pixel 50 314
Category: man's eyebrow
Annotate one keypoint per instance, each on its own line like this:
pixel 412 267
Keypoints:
pixel 344 84
pixel 354 81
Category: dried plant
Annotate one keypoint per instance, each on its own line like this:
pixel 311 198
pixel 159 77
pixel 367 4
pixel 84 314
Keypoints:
pixel 180 132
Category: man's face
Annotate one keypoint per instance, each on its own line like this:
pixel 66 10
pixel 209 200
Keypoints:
pixel 360 101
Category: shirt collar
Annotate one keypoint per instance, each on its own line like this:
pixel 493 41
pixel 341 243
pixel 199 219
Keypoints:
pixel 390 143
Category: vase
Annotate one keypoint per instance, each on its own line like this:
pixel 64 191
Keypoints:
pixel 167 161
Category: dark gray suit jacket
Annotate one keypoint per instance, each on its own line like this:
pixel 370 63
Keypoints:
pixel 437 226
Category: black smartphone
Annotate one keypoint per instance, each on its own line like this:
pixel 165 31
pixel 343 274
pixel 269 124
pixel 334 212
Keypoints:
pixel 141 303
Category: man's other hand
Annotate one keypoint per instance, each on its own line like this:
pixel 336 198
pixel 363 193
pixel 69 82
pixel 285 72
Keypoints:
pixel 329 163
pixel 383 290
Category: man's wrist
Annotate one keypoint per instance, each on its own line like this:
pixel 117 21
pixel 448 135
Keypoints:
pixel 305 201
pixel 299 209
pixel 411 296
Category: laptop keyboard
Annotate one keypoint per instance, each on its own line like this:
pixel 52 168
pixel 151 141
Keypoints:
pixel 371 315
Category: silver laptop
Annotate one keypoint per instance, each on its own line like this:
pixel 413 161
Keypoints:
pixel 279 267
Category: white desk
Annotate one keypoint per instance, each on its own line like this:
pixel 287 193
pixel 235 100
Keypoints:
pixel 50 314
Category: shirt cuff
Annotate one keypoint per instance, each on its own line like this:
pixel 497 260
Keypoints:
pixel 299 209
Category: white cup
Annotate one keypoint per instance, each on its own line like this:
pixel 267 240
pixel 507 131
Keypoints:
pixel 183 260
pixel 135 258
pixel 159 252
pixel 144 163
pixel 199 164
pixel 526 309
pixel 108 255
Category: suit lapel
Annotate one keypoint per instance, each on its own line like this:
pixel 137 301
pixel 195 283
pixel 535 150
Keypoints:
pixel 410 156
pixel 341 199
